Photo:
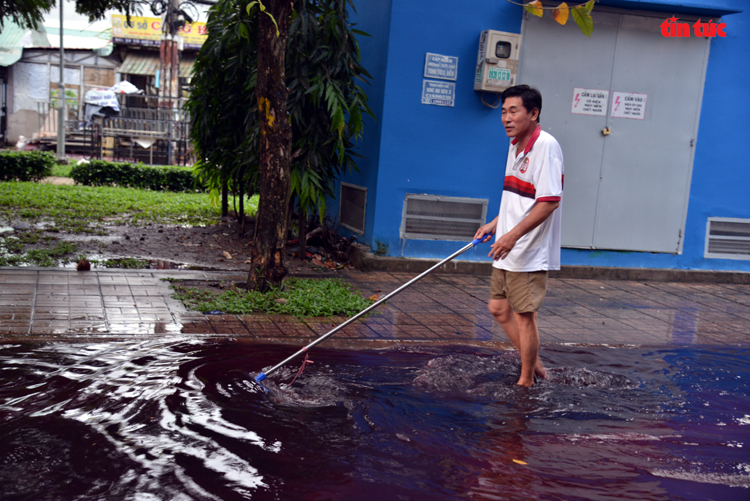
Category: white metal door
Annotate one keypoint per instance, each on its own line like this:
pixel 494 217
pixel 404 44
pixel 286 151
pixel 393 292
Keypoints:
pixel 627 190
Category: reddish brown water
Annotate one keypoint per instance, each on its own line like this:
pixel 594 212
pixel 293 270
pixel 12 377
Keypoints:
pixel 184 420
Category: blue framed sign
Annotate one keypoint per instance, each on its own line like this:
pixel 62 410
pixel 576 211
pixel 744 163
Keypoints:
pixel 438 93
pixel 439 66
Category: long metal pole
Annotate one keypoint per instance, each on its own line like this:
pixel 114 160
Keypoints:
pixel 374 305
pixel 61 94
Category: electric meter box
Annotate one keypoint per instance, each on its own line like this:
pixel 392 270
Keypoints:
pixel 497 63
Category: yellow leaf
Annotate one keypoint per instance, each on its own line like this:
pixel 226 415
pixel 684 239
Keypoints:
pixel 534 8
pixel 561 13
pixel 520 462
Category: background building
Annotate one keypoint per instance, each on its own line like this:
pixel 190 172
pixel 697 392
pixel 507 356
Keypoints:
pixel 30 72
pixel 97 56
pixel 664 183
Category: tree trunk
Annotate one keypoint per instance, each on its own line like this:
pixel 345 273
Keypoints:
pixel 225 199
pixel 242 208
pixel 302 223
pixel 267 266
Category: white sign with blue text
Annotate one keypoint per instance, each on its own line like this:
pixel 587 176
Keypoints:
pixel 439 66
pixel 438 93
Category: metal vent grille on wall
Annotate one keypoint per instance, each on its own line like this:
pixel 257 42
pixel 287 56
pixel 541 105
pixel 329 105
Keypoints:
pixel 432 217
pixel 727 238
pixel 353 207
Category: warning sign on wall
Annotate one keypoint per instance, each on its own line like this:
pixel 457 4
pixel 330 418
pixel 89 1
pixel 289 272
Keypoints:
pixel 629 105
pixel 589 102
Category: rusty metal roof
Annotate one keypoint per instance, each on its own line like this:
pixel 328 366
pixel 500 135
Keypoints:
pixel 147 63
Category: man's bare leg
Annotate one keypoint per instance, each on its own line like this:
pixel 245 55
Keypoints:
pixel 529 349
pixel 509 321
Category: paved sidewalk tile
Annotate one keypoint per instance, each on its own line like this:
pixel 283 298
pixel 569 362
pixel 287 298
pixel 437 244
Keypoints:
pixel 45 304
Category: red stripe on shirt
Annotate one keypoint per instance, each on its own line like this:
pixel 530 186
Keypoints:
pixel 552 198
pixel 519 187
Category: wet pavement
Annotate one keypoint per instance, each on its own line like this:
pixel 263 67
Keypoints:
pixel 42 304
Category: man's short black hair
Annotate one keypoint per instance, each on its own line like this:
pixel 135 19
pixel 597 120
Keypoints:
pixel 530 97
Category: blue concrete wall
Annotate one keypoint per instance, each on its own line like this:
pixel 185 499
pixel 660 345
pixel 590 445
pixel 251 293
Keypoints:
pixel 447 151
pixel 461 151
pixel 374 18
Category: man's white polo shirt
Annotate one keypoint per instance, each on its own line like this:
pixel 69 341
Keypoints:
pixel 535 175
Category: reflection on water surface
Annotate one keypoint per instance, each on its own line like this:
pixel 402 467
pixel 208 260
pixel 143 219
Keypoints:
pixel 183 420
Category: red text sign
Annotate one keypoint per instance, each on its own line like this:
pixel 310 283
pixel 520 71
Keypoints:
pixel 672 29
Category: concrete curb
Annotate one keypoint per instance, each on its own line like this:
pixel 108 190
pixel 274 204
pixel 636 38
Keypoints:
pixel 373 262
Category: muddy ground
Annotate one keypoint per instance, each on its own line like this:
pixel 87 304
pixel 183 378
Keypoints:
pixel 157 246
pixel 216 247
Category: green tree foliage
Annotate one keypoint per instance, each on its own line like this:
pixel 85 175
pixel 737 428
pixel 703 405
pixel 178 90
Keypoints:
pixel 25 13
pixel 325 102
pixel 95 9
pixel 29 13
pixel 223 105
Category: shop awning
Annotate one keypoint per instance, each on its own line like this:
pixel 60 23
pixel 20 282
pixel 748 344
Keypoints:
pixel 140 64
pixel 148 64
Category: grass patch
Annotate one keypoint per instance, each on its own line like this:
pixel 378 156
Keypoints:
pixel 12 253
pixel 61 170
pixel 89 210
pixel 251 205
pixel 298 297
pixel 81 209
pixel 127 263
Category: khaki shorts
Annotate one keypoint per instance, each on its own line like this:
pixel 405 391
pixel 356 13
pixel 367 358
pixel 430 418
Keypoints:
pixel 524 290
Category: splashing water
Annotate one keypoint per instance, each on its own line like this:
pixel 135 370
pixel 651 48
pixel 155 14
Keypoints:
pixel 183 420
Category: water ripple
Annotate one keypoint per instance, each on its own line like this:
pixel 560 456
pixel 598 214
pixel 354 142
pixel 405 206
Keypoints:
pixel 184 420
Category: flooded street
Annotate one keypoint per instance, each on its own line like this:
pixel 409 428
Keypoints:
pixel 183 419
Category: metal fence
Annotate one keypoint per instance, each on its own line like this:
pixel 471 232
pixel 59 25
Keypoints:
pixel 148 129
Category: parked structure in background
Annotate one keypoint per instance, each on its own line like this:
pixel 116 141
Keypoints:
pixel 155 54
pixel 30 72
pixel 652 128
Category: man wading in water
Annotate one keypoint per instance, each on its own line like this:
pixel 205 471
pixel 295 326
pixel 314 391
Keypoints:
pixel 527 230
